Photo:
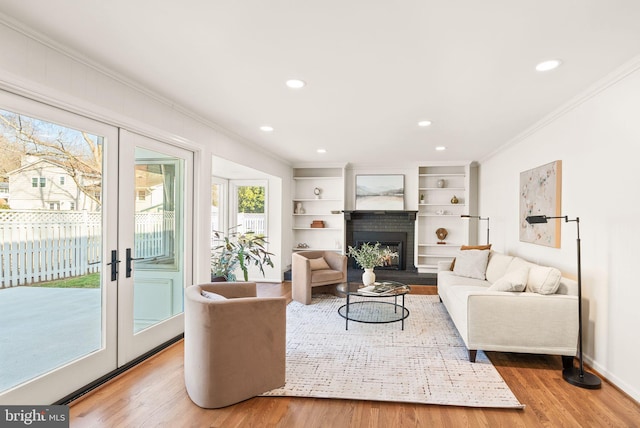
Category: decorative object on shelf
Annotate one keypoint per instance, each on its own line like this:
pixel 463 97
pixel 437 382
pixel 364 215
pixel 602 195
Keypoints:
pixel 302 245
pixel 541 192
pixel 574 375
pixel 239 250
pixel 335 211
pixel 440 212
pixel 440 183
pixel 317 224
pixel 441 233
pixel 422 199
pixel 454 200
pixel 379 192
pixel 299 209
pixel 368 257
pixel 317 192
pixel 479 218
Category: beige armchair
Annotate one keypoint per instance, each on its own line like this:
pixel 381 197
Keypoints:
pixel 234 343
pixel 315 268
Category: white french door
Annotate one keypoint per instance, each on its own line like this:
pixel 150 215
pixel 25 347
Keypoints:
pixel 154 242
pixel 95 249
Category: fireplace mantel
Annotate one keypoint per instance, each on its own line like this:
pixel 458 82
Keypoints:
pixel 350 215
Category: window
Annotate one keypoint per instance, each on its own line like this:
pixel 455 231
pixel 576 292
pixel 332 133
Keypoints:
pixel 54 206
pixel 142 195
pixel 38 180
pixel 62 180
pixel 72 206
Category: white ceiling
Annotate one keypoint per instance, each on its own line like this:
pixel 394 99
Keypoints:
pixel 374 68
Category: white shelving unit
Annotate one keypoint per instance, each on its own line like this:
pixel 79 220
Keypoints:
pixel 326 207
pixel 437 185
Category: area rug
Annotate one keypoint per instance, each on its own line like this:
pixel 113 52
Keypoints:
pixel 426 362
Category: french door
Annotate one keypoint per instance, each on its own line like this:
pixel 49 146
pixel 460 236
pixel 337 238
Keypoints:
pixel 154 242
pixel 95 243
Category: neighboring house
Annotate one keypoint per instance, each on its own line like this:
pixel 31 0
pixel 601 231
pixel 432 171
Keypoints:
pixel 4 193
pixel 42 184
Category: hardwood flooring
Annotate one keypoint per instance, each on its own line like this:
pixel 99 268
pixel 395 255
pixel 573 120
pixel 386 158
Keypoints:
pixel 152 394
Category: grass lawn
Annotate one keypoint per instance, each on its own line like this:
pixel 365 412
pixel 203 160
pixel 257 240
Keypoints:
pixel 91 280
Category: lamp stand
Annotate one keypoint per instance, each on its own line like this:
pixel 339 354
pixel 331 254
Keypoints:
pixel 576 375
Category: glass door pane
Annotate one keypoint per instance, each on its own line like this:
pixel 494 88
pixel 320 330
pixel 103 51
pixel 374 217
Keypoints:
pixel 57 307
pixel 157 265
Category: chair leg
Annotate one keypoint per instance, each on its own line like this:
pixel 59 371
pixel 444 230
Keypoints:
pixel 472 355
pixel 567 361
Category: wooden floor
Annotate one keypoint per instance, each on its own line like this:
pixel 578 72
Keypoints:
pixel 153 394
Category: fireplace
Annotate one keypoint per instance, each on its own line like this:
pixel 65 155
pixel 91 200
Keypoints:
pixel 395 229
pixel 396 242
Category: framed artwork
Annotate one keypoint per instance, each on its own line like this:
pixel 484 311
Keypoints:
pixel 541 194
pixel 380 192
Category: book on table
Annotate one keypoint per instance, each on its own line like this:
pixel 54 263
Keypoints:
pixel 382 289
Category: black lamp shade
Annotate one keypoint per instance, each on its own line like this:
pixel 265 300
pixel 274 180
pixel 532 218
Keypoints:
pixel 535 219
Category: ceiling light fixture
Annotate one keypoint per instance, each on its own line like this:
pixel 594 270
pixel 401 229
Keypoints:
pixel 548 65
pixel 295 83
pixel 424 123
pixel 321 151
pixel 441 148
pixel 266 128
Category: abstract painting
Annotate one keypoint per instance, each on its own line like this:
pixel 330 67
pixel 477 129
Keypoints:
pixel 541 194
pixel 379 192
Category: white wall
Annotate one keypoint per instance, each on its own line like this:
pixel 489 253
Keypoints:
pixel 42 71
pixel 597 138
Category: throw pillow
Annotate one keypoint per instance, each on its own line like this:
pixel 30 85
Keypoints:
pixel 212 296
pixel 516 280
pixel 470 247
pixel 318 264
pixel 543 280
pixel 471 263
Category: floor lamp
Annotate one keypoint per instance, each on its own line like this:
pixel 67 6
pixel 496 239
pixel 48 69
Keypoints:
pixel 479 218
pixel 575 376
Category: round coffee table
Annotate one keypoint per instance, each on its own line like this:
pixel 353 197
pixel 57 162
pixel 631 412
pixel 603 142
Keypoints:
pixel 372 308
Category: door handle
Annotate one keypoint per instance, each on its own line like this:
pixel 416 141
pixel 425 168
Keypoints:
pixel 114 265
pixel 129 267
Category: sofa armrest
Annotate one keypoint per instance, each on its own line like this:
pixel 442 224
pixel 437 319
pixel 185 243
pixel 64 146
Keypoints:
pixel 522 322
pixel 336 261
pixel 444 266
pixel 300 269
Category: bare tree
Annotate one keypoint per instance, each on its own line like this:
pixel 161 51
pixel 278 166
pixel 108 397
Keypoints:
pixel 77 152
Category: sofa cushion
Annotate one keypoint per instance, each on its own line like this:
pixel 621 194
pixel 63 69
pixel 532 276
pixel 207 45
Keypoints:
pixel 318 264
pixel 514 280
pixel 497 266
pixel 469 247
pixel 471 263
pixel 324 275
pixel 212 296
pixel 543 280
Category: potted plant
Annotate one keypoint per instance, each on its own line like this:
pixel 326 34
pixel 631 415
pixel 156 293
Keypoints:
pixel 369 256
pixel 239 250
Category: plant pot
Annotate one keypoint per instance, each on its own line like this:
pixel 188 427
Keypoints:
pixel 368 277
pixel 218 278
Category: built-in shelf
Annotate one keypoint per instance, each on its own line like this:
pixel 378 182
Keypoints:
pixel 437 185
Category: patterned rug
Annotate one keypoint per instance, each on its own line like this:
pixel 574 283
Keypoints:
pixel 426 363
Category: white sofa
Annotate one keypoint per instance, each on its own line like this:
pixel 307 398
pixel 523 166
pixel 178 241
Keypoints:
pixel 511 321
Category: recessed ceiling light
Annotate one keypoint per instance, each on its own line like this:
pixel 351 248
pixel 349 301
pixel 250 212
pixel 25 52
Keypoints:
pixel 295 83
pixel 266 128
pixel 424 123
pixel 321 151
pixel 441 148
pixel 548 65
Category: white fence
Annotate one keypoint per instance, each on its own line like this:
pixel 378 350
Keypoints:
pixel 37 246
pixel 246 222
pixel 45 245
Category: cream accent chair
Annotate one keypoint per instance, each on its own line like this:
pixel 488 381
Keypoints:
pixel 308 271
pixel 234 343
